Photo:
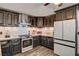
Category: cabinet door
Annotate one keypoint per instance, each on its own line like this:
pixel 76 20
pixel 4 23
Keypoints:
pixel 58 15
pixel 15 19
pixel 6 49
pixel 7 18
pixel 45 21
pixel 26 19
pixel 1 18
pixel 32 21
pixel 70 13
pixel 16 49
pixel 50 43
pixel 63 14
pixel 35 42
pixel 16 46
pixel 44 41
pixel 48 24
pixel 40 22
pixel 36 21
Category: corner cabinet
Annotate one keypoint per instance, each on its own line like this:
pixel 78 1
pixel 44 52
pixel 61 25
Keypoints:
pixel 42 21
pixel 35 42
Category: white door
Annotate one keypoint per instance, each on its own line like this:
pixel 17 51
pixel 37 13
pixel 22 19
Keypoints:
pixel 69 30
pixel 58 29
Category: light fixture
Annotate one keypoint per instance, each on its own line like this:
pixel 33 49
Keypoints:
pixel 58 4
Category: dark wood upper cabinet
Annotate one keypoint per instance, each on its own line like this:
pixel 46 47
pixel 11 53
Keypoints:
pixel 58 15
pixel 34 21
pixel 70 13
pixel 7 19
pixel 41 21
pixel 63 15
pixel 1 18
pixel 50 21
pixel 14 19
pixel 45 22
pixel 30 20
pixel 66 14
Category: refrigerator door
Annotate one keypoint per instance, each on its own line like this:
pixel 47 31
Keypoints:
pixel 58 29
pixel 69 30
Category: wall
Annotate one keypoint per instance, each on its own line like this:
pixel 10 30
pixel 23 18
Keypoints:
pixel 46 31
pixel 13 31
pixel 8 30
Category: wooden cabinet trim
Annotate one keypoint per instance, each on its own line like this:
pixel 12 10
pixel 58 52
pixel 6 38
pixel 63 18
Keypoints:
pixel 2 20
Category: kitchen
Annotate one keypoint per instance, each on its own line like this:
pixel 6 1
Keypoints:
pixel 26 31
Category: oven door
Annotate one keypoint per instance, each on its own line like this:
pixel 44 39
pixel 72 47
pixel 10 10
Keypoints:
pixel 27 43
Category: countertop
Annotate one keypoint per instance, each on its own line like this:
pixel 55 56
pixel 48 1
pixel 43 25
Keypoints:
pixel 11 38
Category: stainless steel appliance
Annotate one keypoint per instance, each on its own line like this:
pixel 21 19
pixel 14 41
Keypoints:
pixel 27 44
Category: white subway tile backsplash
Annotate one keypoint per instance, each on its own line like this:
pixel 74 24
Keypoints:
pixel 12 31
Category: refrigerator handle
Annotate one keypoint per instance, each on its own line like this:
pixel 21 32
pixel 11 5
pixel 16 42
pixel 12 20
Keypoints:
pixel 78 32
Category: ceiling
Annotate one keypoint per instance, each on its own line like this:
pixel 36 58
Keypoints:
pixel 34 9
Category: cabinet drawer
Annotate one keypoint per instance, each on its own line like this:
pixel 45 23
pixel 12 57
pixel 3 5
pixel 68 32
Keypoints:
pixel 63 50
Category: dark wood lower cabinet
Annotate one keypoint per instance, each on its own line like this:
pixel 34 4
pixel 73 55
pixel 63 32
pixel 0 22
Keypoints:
pixel 6 49
pixel 12 47
pixel 35 41
pixel 44 41
pixel 16 49
pixel 50 43
pixel 16 46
